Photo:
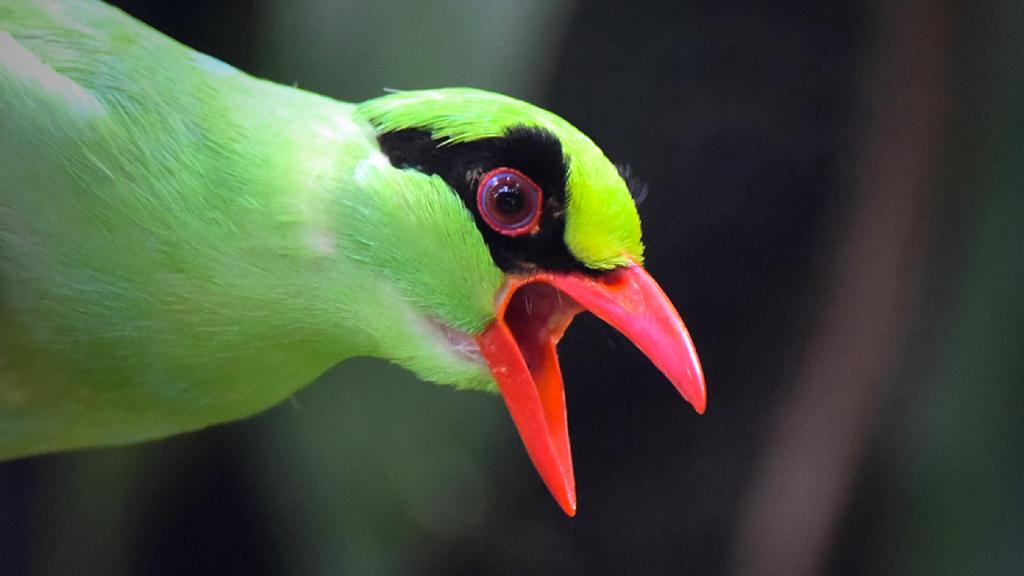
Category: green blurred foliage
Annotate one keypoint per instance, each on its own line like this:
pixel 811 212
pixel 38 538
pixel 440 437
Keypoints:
pixel 353 50
pixel 958 505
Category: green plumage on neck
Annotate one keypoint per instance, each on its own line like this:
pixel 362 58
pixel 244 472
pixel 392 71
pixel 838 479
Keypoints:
pixel 182 244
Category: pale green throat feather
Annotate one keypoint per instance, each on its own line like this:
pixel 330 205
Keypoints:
pixel 182 244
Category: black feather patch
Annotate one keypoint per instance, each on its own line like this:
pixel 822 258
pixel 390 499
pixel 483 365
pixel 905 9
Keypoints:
pixel 535 152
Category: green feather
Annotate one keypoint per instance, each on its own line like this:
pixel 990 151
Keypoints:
pixel 182 244
pixel 602 225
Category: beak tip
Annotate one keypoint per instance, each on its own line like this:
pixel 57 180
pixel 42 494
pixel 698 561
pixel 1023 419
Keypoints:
pixel 568 504
pixel 692 389
pixel 700 408
pixel 700 403
pixel 564 492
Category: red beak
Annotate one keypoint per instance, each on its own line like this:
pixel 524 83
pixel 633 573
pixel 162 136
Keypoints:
pixel 519 346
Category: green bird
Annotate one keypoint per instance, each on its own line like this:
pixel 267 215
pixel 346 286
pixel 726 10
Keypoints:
pixel 182 244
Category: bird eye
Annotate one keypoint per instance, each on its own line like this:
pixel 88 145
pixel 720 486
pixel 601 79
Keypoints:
pixel 509 202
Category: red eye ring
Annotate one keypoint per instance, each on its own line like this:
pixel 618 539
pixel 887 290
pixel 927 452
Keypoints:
pixel 509 202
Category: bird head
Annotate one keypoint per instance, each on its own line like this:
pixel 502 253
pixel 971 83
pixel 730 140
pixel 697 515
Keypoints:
pixel 504 222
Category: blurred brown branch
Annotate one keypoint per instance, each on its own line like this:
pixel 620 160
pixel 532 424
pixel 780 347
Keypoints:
pixel 825 423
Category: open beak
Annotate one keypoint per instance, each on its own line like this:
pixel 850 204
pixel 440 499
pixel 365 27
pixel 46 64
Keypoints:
pixel 533 312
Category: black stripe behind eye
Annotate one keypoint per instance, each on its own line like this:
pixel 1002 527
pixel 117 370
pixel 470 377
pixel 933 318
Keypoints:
pixel 532 151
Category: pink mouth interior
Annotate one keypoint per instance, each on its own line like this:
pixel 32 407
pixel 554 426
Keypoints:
pixel 538 315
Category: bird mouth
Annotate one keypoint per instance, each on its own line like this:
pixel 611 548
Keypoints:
pixel 532 313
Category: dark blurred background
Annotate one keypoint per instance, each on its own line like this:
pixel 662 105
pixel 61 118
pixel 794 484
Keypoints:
pixel 835 208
